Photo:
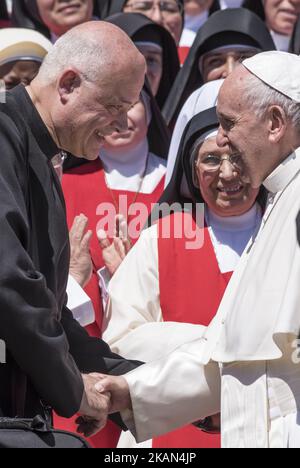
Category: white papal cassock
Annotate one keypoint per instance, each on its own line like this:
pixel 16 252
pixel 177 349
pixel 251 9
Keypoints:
pixel 246 362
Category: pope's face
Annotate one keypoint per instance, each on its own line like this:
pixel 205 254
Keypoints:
pixel 241 130
pixel 282 15
pixel 61 15
pixel 224 187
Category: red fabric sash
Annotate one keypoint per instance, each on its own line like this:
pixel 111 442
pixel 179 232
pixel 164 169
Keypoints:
pixel 191 290
pixel 84 188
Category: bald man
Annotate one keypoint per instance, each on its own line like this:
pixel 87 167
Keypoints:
pixel 88 82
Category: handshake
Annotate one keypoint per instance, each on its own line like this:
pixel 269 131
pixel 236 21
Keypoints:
pixel 103 395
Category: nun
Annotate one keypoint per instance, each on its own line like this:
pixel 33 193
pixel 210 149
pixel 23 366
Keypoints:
pixel 22 52
pixel 169 14
pixel 197 13
pixel 226 38
pixel 165 293
pixel 53 19
pixel 202 99
pixel 281 17
pixel 158 48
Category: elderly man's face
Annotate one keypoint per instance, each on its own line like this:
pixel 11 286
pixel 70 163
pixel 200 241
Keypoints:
pixel 241 130
pixel 282 15
pixel 223 183
pixel 61 15
pixel 93 111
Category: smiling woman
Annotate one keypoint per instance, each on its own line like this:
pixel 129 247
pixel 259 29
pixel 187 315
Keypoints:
pixel 280 16
pixel 60 16
pixel 54 17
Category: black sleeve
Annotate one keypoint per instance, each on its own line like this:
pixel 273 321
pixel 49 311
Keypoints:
pixel 93 354
pixel 28 310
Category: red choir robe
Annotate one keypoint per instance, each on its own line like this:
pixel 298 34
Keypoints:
pixel 84 189
pixel 191 290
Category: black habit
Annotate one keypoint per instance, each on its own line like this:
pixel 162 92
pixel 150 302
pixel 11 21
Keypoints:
pixel 223 28
pixel 41 336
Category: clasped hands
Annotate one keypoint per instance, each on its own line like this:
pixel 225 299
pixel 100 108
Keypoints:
pixel 103 395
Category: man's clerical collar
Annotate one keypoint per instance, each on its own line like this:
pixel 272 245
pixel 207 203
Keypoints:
pixel 283 174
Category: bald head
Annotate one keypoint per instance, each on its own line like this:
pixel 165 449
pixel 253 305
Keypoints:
pixel 96 49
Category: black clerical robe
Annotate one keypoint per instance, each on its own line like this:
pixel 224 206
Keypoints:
pixel 41 336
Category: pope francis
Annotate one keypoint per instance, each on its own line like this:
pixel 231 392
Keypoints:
pixel 246 364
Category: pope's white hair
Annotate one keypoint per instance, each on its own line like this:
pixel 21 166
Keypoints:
pixel 84 53
pixel 259 97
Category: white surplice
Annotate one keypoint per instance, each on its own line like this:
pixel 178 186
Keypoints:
pixel 133 321
pixel 247 357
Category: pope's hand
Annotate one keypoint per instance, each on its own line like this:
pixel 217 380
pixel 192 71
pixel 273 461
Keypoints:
pixel 94 407
pixel 118 389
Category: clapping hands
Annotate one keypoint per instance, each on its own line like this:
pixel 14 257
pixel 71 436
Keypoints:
pixel 114 252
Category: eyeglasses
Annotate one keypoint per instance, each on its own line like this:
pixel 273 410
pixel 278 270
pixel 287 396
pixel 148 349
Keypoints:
pixel 213 163
pixel 167 8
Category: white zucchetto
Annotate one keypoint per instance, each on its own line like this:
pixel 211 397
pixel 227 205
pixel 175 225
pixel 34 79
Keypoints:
pixel 279 70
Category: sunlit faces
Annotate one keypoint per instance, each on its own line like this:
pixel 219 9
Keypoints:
pixel 242 130
pixel 136 133
pixel 23 71
pixel 196 7
pixel 90 111
pixel 282 15
pixel 154 58
pixel 167 13
pixel 62 15
pixel 218 65
pixel 222 180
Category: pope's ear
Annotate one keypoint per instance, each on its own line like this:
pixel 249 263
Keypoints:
pixel 277 123
pixel 68 83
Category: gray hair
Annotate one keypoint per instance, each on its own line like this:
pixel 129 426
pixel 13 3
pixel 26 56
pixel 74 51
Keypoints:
pixel 259 97
pixel 84 53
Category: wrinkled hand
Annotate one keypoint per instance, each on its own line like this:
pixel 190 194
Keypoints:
pixel 115 252
pixel 81 266
pixel 118 389
pixel 94 407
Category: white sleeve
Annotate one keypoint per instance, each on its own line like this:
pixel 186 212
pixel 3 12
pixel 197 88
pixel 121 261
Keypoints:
pixel 104 280
pixel 79 303
pixel 133 325
pixel 172 392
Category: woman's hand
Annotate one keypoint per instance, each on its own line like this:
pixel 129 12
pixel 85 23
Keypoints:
pixel 81 266
pixel 114 252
